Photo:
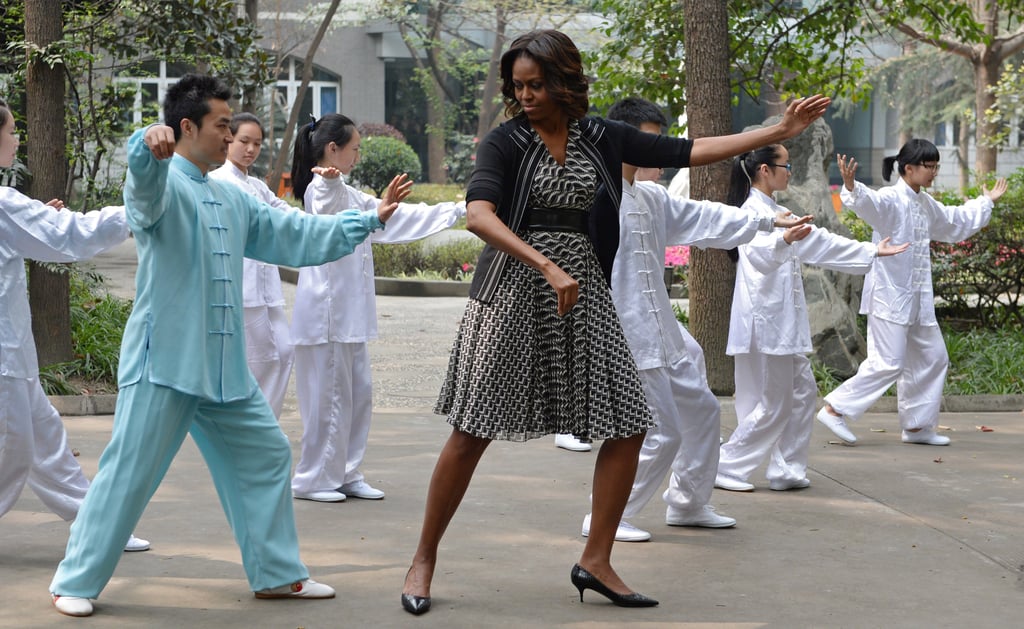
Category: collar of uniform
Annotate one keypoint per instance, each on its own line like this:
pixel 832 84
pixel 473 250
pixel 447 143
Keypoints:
pixel 187 167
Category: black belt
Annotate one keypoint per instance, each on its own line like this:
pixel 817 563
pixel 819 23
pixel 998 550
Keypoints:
pixel 543 219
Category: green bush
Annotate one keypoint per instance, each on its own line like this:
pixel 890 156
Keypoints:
pixel 97 324
pixel 432 193
pixel 981 280
pixel 453 260
pixel 381 158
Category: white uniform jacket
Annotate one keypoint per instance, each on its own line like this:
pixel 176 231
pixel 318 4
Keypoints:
pixel 261 282
pixel 34 230
pixel 336 302
pixel 899 288
pixel 649 220
pixel 769 311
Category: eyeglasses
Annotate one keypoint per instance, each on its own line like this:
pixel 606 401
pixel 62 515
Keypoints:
pixel 934 167
pixel 788 167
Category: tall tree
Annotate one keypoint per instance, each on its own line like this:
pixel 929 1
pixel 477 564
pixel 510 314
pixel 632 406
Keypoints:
pixel 49 294
pixel 712 274
pixel 307 76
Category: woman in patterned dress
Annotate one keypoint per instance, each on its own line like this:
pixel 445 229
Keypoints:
pixel 539 349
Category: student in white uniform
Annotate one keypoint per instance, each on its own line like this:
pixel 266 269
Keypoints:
pixel 268 342
pixel 33 443
pixel 685 437
pixel 769 330
pixel 905 344
pixel 335 316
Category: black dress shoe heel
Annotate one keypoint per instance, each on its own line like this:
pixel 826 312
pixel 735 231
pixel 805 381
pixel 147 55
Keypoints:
pixel 415 605
pixel 584 580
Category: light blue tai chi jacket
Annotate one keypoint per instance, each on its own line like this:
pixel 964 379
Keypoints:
pixel 192 233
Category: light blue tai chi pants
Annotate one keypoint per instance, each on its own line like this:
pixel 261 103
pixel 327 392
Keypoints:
pixel 250 462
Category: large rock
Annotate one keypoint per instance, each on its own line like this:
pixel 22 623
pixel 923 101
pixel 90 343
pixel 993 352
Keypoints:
pixel 832 298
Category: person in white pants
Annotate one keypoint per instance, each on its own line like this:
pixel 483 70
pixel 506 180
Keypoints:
pixel 687 429
pixel 268 342
pixel 769 329
pixel 33 443
pixel 905 344
pixel 335 316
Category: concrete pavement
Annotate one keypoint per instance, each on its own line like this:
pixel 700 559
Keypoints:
pixel 888 534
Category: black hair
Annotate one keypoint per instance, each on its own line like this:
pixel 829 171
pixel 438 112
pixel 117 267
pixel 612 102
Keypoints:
pixel 916 151
pixel 637 111
pixel 244 117
pixel 189 98
pixel 310 143
pixel 744 171
pixel 561 64
pixel 4 112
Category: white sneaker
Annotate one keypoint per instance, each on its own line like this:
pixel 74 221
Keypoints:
pixel 136 545
pixel 570 442
pixel 625 532
pixel 706 518
pixel 307 588
pixel 836 424
pixel 361 489
pixel 72 605
pixel 783 484
pixel 326 495
pixel 925 436
pixel 732 484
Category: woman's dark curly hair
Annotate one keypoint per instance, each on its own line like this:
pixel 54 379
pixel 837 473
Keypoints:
pixel 559 60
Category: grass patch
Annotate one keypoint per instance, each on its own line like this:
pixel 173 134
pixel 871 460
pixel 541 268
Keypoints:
pixel 97 324
pixel 455 260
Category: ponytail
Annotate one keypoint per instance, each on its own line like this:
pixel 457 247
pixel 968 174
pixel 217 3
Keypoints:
pixel 310 143
pixel 744 172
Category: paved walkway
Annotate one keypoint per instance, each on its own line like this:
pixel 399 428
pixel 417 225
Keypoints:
pixel 888 535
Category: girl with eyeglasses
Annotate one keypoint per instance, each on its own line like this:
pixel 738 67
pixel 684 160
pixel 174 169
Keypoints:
pixel 905 345
pixel 769 331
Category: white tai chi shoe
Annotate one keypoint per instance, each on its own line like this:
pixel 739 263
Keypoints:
pixel 136 545
pixel 729 483
pixel 307 588
pixel 783 484
pixel 570 442
pixel 625 532
pixel 326 495
pixel 72 605
pixel 925 436
pixel 836 424
pixel 706 518
pixel 361 489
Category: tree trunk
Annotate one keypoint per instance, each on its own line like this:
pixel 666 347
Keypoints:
pixel 986 74
pixel 274 180
pixel 711 274
pixel 962 151
pixel 490 106
pixel 44 114
pixel 251 93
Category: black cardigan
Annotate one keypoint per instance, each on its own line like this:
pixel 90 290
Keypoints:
pixel 507 160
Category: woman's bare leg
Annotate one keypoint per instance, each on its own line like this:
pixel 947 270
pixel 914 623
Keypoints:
pixel 614 472
pixel 454 470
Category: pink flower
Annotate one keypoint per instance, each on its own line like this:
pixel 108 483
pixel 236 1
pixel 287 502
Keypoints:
pixel 466 266
pixel 677 256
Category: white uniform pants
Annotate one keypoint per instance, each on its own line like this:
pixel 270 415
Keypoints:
pixel 775 400
pixel 269 352
pixel 913 357
pixel 34 450
pixel 684 438
pixel 249 460
pixel 335 390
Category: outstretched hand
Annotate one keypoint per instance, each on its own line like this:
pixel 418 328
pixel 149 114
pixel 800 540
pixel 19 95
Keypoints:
pixel 885 248
pixel 796 233
pixel 56 204
pixel 847 170
pixel 802 112
pixel 160 140
pixel 996 190
pixel 327 172
pixel 788 219
pixel 397 190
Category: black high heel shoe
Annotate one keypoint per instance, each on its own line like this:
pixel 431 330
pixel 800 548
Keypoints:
pixel 584 580
pixel 413 604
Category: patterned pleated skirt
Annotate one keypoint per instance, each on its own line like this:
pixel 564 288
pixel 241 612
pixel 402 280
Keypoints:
pixel 519 371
